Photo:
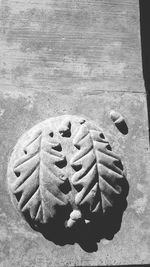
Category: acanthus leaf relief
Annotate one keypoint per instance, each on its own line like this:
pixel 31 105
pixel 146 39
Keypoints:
pixel 63 177
pixel 101 177
pixel 39 178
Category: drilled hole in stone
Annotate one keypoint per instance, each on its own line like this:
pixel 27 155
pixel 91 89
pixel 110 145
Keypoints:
pixel 25 151
pixel 102 136
pixel 61 164
pixel 65 187
pixel 82 121
pixel 77 167
pixel 58 148
pixel 108 147
pixel 51 134
pixel 66 133
pixel 18 195
pixel 17 173
pixel 78 187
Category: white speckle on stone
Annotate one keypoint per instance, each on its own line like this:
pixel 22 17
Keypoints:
pixel 117 44
pixel 105 242
pixel 141 188
pixel 140 204
pixel 30 103
pixel 87 221
pixel 2 112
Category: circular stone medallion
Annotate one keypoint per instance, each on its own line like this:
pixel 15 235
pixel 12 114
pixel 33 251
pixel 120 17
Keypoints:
pixel 62 175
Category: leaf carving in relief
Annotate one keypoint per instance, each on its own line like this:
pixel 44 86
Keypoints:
pixel 39 175
pixel 99 177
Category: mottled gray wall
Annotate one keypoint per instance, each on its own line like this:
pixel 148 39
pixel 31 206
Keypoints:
pixel 77 57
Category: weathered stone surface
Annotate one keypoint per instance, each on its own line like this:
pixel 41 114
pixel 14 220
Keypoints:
pixel 70 46
pixel 80 58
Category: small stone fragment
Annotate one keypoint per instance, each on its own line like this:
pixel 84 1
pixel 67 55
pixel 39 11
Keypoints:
pixel 87 221
pixel 70 223
pixel 76 215
pixel 119 122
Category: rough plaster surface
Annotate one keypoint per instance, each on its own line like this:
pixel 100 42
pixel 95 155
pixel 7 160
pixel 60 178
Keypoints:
pixel 82 58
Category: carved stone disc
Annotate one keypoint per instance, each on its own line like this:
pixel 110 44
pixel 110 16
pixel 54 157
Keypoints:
pixel 63 174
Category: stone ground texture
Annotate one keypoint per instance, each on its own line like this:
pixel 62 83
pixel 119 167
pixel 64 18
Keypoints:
pixel 81 58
